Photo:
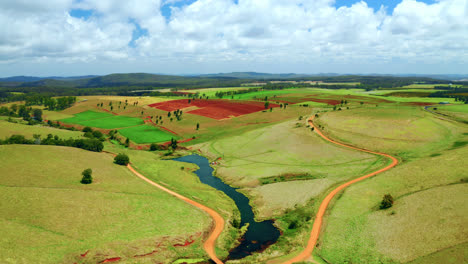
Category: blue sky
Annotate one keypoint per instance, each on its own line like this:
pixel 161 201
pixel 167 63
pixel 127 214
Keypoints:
pixel 80 37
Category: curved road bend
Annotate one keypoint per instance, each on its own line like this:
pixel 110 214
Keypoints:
pixel 314 234
pixel 209 244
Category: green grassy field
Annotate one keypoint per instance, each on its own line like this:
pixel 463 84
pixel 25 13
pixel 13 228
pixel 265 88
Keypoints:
pixel 146 134
pixel 178 177
pixel 462 108
pixel 49 217
pixel 7 129
pixel 102 120
pixel 85 116
pixel 210 92
pixel 280 150
pixel 112 122
pixel 426 224
pixel 408 132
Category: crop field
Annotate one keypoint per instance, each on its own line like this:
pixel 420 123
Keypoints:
pixel 423 86
pixel 210 92
pixel 146 134
pixel 118 215
pixel 142 100
pixel 215 109
pixel 112 122
pixel 86 116
pixel 7 129
pixel 102 120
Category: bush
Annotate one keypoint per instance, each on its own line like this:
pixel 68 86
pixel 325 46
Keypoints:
pixel 87 178
pixel 387 202
pixel 97 134
pixel 154 147
pixel 122 159
pixel 87 129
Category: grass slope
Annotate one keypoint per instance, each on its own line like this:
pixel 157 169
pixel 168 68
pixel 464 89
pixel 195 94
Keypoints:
pixel 7 129
pixel 146 134
pixel 285 149
pixel 49 217
pixel 408 132
pixel 428 220
pixel 102 120
pixel 178 177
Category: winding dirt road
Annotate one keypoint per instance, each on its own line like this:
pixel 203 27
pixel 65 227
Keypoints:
pixel 209 244
pixel 314 234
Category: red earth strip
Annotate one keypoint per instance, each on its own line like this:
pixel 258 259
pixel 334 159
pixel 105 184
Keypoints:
pixel 111 260
pixel 107 111
pixel 147 254
pixel 187 243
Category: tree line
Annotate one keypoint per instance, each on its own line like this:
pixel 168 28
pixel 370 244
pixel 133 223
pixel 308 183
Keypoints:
pixel 91 144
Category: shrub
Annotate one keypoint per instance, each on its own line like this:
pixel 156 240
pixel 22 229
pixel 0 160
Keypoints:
pixel 154 147
pixel 87 129
pixel 97 134
pixel 122 159
pixel 87 178
pixel 387 201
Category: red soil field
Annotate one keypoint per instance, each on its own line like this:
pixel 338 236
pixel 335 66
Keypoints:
pixel 419 103
pixel 216 109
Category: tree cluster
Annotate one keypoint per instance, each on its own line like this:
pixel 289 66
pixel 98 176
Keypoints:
pixel 86 144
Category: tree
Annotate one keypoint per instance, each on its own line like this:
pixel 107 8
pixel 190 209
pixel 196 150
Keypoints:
pixel 173 144
pixel 37 113
pixel 87 129
pixel 127 142
pixel 198 126
pixel 87 178
pixel 122 159
pixel 266 105
pixel 387 201
pixel 97 134
pixel 154 147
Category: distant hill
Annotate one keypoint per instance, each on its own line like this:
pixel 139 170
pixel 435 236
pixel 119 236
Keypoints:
pixel 256 75
pixel 23 79
pixel 153 81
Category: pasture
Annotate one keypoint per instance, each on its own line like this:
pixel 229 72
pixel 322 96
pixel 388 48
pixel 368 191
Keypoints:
pixel 178 177
pixel 102 120
pixel 249 157
pixel 408 132
pixel 7 129
pixel 49 217
pixel 146 134
pixel 426 224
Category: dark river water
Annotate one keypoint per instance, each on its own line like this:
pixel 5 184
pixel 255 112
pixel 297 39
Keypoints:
pixel 259 235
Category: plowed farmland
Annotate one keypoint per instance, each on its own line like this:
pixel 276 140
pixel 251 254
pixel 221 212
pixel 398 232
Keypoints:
pixel 215 109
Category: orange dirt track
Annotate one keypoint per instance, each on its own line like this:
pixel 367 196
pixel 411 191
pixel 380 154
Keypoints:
pixel 209 244
pixel 314 234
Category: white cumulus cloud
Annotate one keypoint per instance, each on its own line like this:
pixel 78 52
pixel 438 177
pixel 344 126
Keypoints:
pixel 222 34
